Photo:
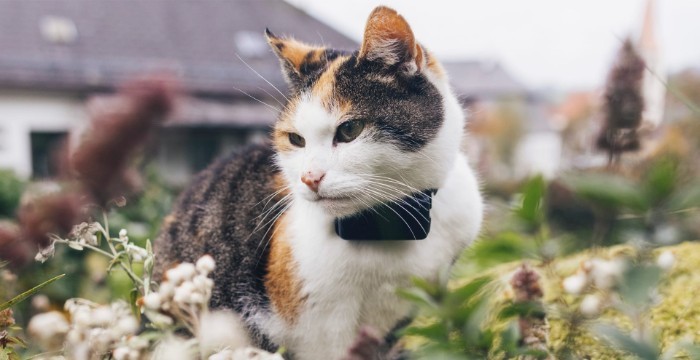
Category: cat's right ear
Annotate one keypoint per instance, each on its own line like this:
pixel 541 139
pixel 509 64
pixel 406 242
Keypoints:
pixel 389 40
pixel 298 59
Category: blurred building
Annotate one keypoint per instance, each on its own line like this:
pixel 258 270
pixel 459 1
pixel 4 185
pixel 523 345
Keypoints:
pixel 653 87
pixel 576 118
pixel 56 55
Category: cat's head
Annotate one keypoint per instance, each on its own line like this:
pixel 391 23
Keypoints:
pixel 365 127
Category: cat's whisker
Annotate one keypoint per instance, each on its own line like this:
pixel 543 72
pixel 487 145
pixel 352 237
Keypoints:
pixel 276 110
pixel 266 211
pixel 274 232
pixel 401 198
pixel 283 202
pixel 270 224
pixel 394 181
pixel 270 95
pixel 411 189
pixel 379 197
pixel 397 214
pixel 401 201
pixel 262 77
pixel 368 206
pixel 269 198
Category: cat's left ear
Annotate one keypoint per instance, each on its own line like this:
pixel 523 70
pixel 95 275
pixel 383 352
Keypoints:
pixel 389 39
pixel 297 58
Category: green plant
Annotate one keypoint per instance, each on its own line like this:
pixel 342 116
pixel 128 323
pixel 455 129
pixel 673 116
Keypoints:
pixel 11 188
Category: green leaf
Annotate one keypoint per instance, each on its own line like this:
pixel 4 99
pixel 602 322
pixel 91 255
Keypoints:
pixel 435 331
pixel 530 210
pixel 607 190
pixel 468 291
pixel 133 297
pixel 686 197
pixel 534 353
pixel 28 293
pixel 638 283
pixel 510 337
pixel 18 341
pixel 472 318
pixel 623 342
pixel 530 309
pixel 661 179
pixel 418 296
pixel 432 289
pixel 504 247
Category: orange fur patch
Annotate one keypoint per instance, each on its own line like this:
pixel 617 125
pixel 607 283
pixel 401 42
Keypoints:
pixel 279 183
pixel 284 126
pixel 296 52
pixel 283 287
pixel 168 220
pixel 434 65
pixel 323 89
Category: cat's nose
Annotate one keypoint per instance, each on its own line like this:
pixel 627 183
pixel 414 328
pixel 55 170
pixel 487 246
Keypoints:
pixel 312 179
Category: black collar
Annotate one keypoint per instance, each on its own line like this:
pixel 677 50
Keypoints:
pixel 405 219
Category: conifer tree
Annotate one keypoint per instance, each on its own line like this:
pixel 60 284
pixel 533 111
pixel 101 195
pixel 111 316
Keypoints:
pixel 623 104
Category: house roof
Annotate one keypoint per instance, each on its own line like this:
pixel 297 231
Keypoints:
pixel 88 45
pixel 482 80
pixel 83 46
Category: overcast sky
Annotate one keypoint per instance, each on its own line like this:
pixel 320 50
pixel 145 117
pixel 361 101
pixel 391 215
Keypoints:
pixel 560 43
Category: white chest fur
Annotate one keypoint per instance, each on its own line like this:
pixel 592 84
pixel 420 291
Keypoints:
pixel 349 284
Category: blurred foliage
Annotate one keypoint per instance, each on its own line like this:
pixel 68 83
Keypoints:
pixel 461 322
pixel 669 315
pixel 142 215
pixel 11 188
pixel 144 212
pixel 651 204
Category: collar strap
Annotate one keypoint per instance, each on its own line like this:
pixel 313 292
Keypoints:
pixel 404 219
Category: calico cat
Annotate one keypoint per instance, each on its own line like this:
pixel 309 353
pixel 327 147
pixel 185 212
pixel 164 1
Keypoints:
pixel 360 130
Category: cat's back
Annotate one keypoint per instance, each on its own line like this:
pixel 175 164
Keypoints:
pixel 227 212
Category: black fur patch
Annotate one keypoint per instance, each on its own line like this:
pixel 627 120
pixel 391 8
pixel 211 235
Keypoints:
pixel 406 111
pixel 310 71
pixel 220 214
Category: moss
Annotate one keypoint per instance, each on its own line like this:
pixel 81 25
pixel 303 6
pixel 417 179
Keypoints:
pixel 678 314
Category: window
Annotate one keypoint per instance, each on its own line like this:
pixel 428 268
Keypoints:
pixel 45 147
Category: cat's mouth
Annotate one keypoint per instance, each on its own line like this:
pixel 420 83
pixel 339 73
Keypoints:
pixel 338 205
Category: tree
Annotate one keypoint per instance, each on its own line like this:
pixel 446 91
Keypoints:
pixel 623 104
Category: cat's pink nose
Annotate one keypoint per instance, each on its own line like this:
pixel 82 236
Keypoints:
pixel 312 179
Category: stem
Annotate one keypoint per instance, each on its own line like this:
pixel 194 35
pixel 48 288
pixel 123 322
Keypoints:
pixel 131 274
pixel 28 293
pixel 128 271
pixel 107 236
pixel 88 246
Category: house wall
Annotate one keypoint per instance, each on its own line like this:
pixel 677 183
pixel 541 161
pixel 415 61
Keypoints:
pixel 22 113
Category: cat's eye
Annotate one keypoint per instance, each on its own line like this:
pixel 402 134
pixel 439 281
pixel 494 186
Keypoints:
pixel 349 130
pixel 297 140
